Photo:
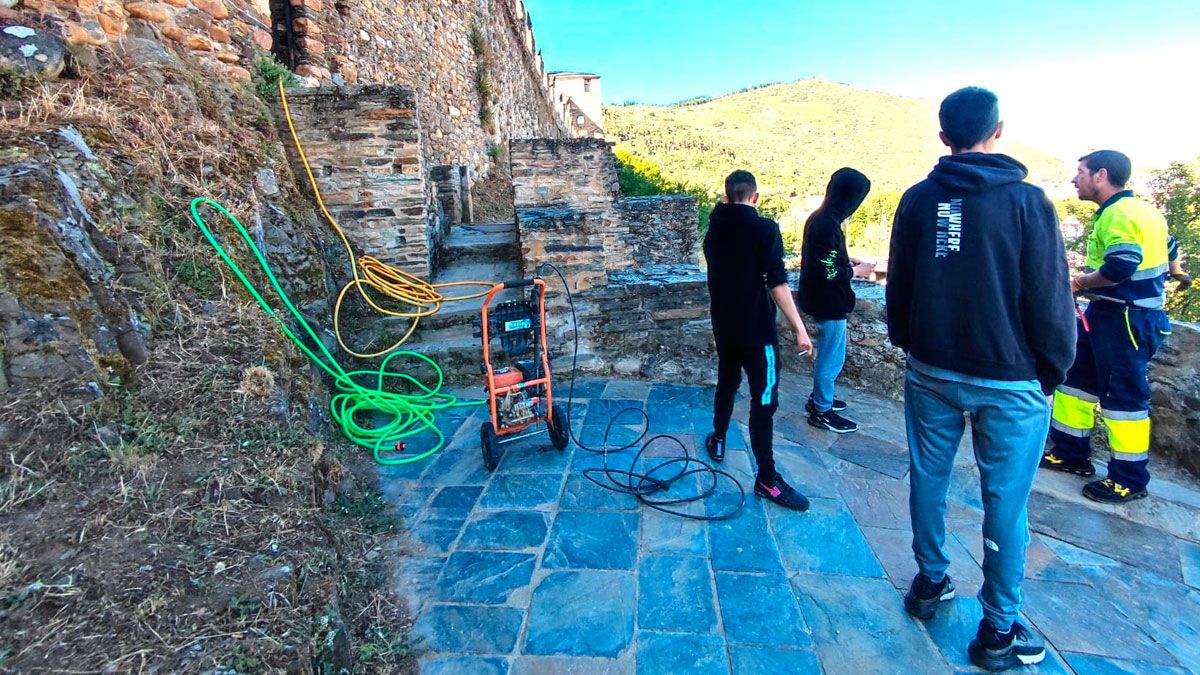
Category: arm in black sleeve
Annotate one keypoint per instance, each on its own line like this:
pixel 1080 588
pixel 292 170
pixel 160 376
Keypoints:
pixel 1047 308
pixel 899 289
pixel 771 260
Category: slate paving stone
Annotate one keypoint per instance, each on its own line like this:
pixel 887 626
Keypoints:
pixel 505 531
pixel 585 388
pixel 584 613
pixel 468 629
pixel 582 494
pixel 1189 557
pixel 667 533
pixel 675 594
pixel 635 390
pixel 1087 664
pixel 743 543
pixel 1095 626
pixel 1163 609
pixel 534 455
pixel 1073 555
pixel 521 491
pixel 954 626
pixel 688 396
pixel 764 660
pixel 759 609
pixel 803 470
pixel 893 549
pixel 873 453
pixel 619 435
pixel 484 578
pixel 457 465
pixel 457 665
pixel 592 540
pixel 860 626
pixel 602 410
pixel 437 533
pixel 1140 546
pixel 671 654
pixel 1118 581
pixel 824 539
pixel 455 501
pixel 574 665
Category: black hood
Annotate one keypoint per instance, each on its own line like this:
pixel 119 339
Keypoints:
pixel 725 212
pixel 977 171
pixel 846 192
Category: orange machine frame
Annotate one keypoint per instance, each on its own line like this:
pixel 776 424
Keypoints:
pixel 493 392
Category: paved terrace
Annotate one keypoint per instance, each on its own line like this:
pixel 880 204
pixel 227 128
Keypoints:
pixel 533 569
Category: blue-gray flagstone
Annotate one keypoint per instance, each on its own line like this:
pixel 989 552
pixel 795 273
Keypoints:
pixel 521 491
pixel 675 594
pixel 469 629
pixel 748 660
pixel 592 540
pixel 824 539
pixel 584 613
pixel 486 578
pixel 505 531
pixel 759 609
pixel 673 653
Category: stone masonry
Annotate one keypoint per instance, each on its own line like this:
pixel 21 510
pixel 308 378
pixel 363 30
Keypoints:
pixel 460 57
pixel 364 145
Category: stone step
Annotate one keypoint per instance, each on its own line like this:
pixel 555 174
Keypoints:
pixel 479 243
pixel 462 312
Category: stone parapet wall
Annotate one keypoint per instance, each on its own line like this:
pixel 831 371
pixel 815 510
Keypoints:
pixel 363 143
pixel 660 229
pixel 579 173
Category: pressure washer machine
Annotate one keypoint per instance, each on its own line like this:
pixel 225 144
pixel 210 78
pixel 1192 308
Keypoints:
pixel 520 394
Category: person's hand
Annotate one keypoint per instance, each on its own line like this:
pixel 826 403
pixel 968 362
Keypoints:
pixel 863 270
pixel 1185 282
pixel 804 346
pixel 1076 287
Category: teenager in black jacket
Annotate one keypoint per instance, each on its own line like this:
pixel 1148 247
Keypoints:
pixel 979 296
pixel 746 280
pixel 825 293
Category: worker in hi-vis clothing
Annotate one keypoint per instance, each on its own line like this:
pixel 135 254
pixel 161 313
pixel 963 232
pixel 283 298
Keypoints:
pixel 1123 326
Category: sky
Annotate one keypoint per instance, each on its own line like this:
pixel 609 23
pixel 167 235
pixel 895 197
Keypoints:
pixel 1071 76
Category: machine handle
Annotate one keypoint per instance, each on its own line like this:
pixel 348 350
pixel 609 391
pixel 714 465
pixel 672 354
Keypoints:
pixel 518 283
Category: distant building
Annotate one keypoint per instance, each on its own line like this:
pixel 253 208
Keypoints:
pixel 577 97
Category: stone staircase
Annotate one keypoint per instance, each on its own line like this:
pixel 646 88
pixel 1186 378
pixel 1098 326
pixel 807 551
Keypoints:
pixel 471 252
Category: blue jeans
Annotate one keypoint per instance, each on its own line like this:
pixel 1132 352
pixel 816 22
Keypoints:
pixel 1008 427
pixel 831 356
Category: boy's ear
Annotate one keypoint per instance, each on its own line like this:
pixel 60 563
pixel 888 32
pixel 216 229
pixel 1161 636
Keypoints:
pixel 754 198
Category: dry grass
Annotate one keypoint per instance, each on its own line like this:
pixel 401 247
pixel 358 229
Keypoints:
pixel 180 522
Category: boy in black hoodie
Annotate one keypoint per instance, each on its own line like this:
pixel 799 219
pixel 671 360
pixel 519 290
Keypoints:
pixel 746 280
pixel 825 293
pixel 979 296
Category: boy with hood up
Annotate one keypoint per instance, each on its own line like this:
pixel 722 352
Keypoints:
pixel 979 296
pixel 825 293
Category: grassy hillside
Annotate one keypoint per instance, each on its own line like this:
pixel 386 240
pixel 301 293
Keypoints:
pixel 793 136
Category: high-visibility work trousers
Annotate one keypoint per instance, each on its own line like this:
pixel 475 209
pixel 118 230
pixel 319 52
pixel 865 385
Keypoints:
pixel 1110 370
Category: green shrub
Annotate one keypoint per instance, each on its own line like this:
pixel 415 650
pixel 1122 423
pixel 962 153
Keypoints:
pixel 267 74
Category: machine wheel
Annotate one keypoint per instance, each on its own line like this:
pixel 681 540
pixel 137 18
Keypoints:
pixel 491 448
pixel 559 435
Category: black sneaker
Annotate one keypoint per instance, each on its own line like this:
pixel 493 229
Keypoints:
pixel 923 595
pixel 1079 467
pixel 1108 492
pixel 810 407
pixel 831 421
pixel 715 447
pixel 781 493
pixel 992 650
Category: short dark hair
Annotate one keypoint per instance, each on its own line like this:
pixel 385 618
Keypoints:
pixel 969 116
pixel 740 186
pixel 1118 165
